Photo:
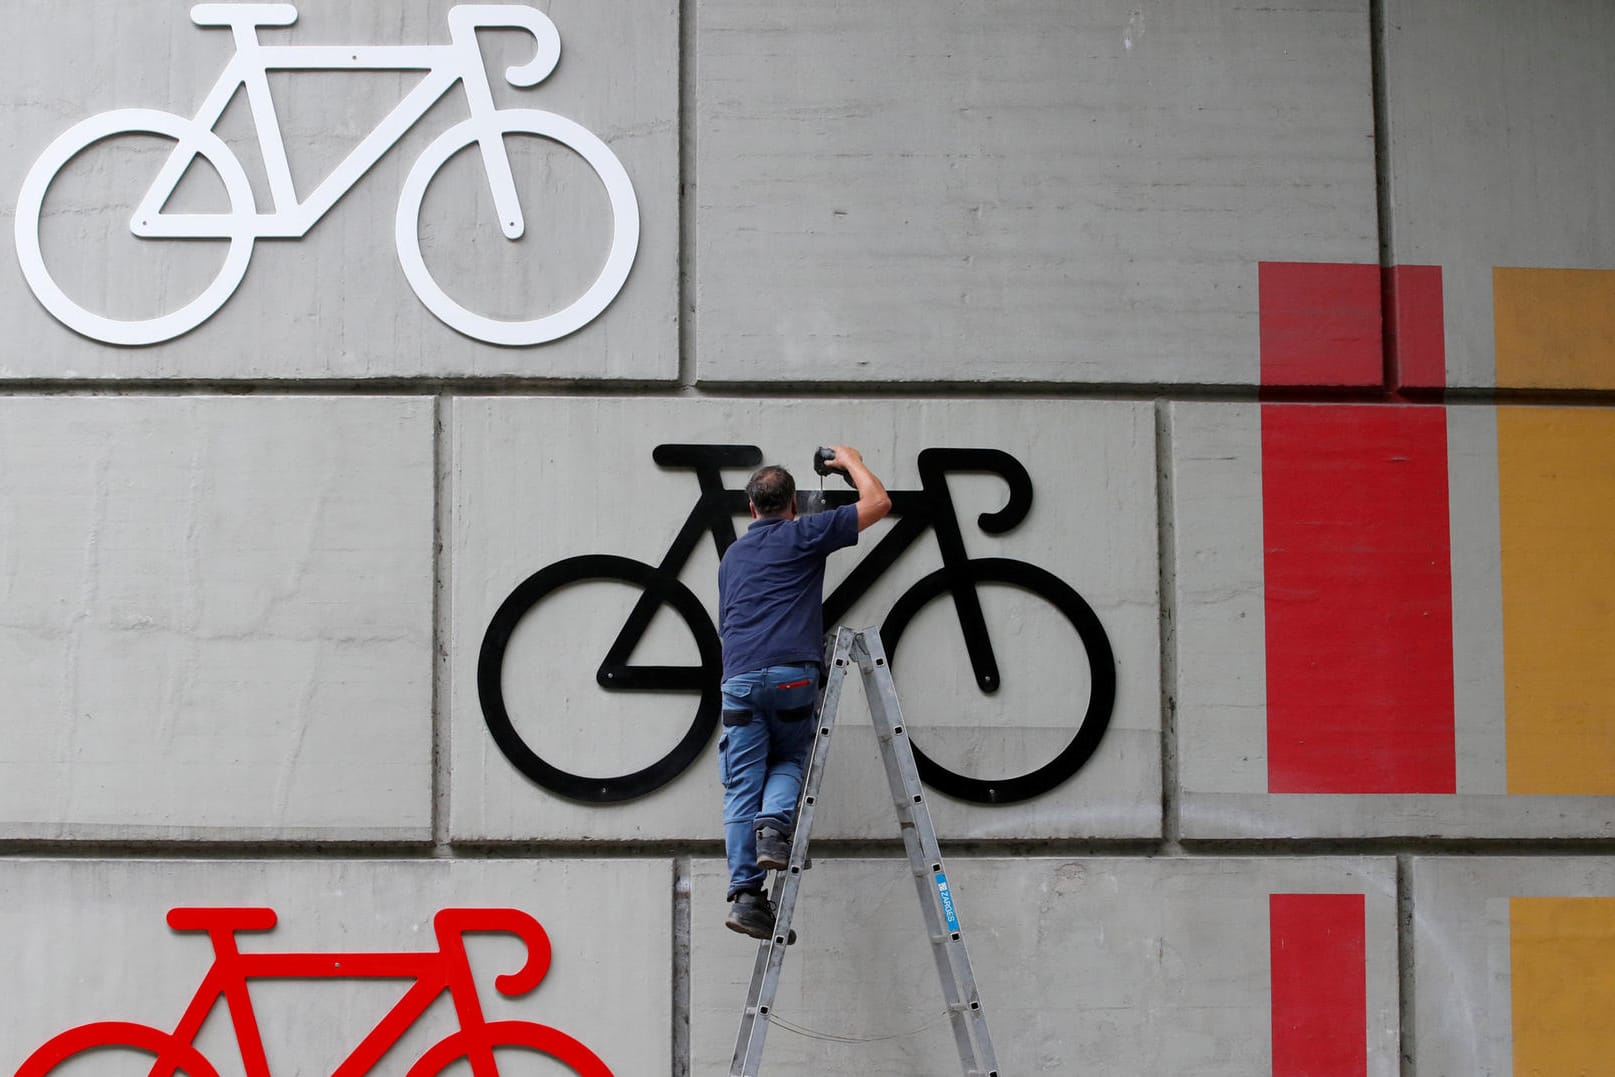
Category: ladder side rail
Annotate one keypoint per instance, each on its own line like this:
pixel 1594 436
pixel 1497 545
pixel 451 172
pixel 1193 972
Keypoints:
pixel 919 836
pixel 965 1011
pixel 753 1031
pixel 749 1033
pixel 924 861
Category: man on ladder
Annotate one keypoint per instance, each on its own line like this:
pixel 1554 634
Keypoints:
pixel 770 597
pixel 865 650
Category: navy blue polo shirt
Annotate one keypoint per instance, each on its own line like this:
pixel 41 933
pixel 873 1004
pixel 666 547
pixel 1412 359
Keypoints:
pixel 771 589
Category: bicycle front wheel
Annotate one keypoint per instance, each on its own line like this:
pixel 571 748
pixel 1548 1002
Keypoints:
pixel 595 298
pixel 113 1035
pixel 496 1034
pixel 702 677
pixel 1096 650
pixel 235 227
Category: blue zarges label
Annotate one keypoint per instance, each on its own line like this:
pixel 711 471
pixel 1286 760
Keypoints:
pixel 947 901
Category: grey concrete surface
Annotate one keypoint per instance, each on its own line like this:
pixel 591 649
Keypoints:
pixel 1477 598
pixel 215 618
pixel 1031 191
pixel 335 303
pixel 1104 967
pixel 1497 149
pixel 1288 817
pixel 1220 626
pixel 1464 1004
pixel 534 481
pixel 85 941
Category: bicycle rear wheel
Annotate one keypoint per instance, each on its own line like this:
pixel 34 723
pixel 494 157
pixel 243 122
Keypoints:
pixel 702 676
pixel 1095 719
pixel 111 1035
pixel 235 227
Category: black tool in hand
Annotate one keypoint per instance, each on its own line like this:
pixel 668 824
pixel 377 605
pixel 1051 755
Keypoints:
pixel 822 465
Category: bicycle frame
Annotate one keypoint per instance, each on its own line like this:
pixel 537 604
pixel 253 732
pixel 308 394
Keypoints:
pixel 459 61
pixel 929 508
pixel 445 969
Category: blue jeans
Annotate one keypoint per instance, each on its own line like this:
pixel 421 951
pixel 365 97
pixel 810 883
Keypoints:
pixel 767 734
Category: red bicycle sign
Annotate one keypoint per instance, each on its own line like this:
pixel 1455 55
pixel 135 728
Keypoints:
pixel 434 971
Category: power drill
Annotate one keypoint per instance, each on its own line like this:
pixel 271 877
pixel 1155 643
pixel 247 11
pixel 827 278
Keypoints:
pixel 822 465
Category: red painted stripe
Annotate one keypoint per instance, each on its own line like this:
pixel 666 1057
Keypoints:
pixel 1320 985
pixel 1320 323
pixel 1414 330
pixel 1358 595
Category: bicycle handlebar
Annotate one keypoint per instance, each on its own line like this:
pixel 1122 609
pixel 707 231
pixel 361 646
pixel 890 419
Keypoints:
pixel 935 464
pixel 466 19
pixel 450 924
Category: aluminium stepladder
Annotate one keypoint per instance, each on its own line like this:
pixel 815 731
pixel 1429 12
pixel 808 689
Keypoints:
pixel 965 1014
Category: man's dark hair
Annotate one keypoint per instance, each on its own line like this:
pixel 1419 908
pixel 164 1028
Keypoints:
pixel 771 490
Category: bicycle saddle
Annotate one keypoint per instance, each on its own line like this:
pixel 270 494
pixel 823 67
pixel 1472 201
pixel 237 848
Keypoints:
pixel 244 14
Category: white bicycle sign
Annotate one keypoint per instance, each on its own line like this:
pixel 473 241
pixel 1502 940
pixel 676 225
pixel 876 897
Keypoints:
pixel 460 61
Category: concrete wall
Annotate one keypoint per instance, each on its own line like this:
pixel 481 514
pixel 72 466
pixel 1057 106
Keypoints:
pixel 1296 319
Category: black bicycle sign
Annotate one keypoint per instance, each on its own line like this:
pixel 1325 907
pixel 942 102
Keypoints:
pixel 929 508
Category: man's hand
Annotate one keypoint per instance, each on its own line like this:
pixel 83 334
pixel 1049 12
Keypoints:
pixel 873 501
pixel 842 456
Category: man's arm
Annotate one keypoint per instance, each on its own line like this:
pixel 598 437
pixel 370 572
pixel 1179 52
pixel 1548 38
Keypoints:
pixel 873 501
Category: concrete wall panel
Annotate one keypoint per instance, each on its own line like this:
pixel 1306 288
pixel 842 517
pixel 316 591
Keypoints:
pixel 1387 644
pixel 336 304
pixel 1513 963
pixel 1499 157
pixel 1030 192
pixel 537 481
pixel 87 941
pixel 1220 624
pixel 1109 967
pixel 216 617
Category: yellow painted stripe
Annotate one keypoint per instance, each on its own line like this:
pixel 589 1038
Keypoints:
pixel 1556 486
pixel 1555 328
pixel 1562 966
